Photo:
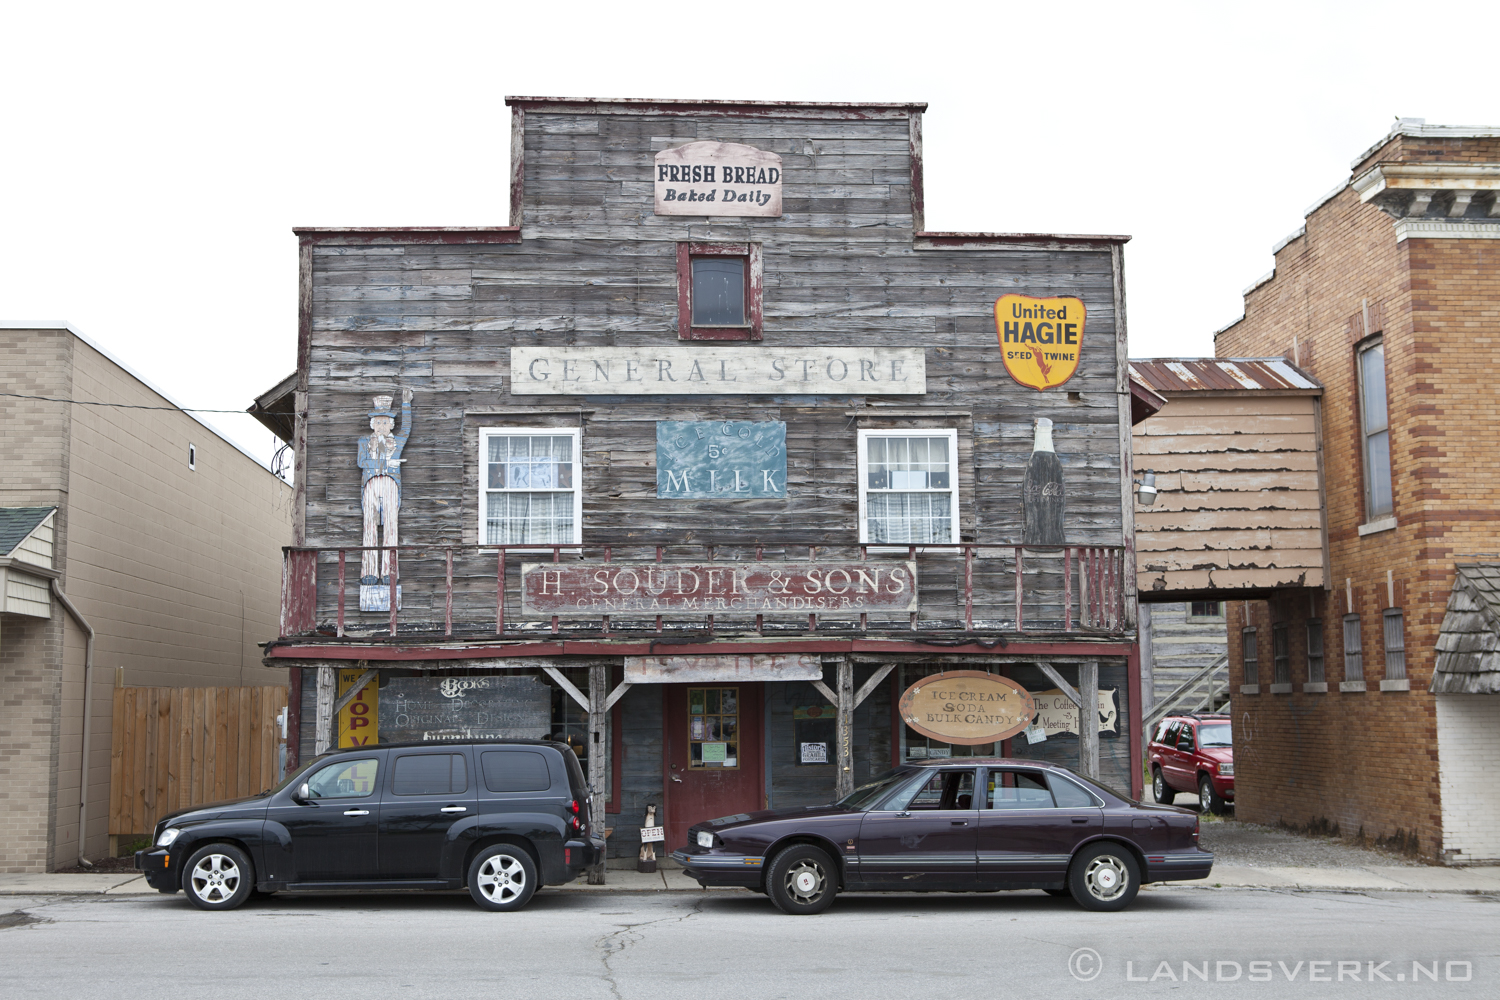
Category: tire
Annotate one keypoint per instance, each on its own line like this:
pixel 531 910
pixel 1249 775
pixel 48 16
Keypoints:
pixel 1209 801
pixel 502 878
pixel 218 877
pixel 1159 788
pixel 802 880
pixel 1104 877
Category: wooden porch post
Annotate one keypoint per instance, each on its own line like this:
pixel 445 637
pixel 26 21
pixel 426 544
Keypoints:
pixel 323 734
pixel 845 685
pixel 1088 719
pixel 598 756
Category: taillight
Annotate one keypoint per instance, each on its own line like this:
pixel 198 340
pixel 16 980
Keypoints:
pixel 1195 827
pixel 574 806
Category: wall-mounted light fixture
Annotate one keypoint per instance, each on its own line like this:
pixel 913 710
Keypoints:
pixel 1145 490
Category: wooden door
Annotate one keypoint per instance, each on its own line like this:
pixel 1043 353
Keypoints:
pixel 714 754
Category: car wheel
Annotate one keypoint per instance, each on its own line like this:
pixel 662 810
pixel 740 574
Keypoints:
pixel 1159 789
pixel 502 877
pixel 1209 801
pixel 1104 878
pixel 802 879
pixel 218 877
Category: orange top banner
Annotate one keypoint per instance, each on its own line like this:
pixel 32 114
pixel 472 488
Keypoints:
pixel 1041 340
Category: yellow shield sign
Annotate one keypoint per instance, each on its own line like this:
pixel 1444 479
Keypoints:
pixel 1040 339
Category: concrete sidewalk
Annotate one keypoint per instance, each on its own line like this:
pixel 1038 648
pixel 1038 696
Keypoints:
pixel 1367 879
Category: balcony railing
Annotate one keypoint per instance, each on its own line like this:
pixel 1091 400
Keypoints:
pixel 473 592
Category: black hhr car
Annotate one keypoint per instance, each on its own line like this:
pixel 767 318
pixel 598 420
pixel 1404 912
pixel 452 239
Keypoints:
pixel 956 825
pixel 499 817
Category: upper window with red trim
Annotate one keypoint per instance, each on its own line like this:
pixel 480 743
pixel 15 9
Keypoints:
pixel 718 291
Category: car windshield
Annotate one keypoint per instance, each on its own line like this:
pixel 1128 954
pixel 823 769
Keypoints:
pixel 865 796
pixel 294 775
pixel 1216 735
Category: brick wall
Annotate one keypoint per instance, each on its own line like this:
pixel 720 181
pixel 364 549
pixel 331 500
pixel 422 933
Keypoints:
pixel 1369 760
pixel 30 654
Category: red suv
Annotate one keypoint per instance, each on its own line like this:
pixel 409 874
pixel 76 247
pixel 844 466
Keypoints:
pixel 1193 753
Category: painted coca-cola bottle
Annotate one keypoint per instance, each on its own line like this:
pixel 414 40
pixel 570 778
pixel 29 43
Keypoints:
pixel 1042 492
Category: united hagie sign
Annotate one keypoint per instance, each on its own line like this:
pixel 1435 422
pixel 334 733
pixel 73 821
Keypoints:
pixel 1040 339
pixel 967 707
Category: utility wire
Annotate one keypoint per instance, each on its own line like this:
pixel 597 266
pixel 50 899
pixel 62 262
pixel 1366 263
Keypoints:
pixel 120 406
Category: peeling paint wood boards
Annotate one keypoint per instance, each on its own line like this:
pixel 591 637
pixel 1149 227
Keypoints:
pixel 594 268
pixel 1240 493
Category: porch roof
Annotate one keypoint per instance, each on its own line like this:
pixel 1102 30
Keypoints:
pixel 1468 646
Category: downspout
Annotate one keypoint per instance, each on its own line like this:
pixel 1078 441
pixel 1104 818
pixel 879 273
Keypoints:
pixel 88 687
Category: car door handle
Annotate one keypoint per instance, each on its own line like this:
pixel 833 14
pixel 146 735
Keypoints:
pixel 960 822
pixel 1080 819
pixel 356 812
pixel 454 809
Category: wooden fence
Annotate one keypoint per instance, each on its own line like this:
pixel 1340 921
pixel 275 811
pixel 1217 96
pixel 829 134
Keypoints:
pixel 179 747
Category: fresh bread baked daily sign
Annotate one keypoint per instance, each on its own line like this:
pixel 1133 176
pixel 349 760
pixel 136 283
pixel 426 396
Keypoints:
pixel 1040 339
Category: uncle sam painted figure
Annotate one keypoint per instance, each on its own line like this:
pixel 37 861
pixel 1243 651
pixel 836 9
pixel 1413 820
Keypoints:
pixel 380 467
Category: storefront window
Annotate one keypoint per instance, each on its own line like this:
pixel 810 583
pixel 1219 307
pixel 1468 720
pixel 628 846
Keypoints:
pixel 713 727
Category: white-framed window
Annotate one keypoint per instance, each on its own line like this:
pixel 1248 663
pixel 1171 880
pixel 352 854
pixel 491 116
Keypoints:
pixel 1375 429
pixel 908 486
pixel 530 486
pixel 192 456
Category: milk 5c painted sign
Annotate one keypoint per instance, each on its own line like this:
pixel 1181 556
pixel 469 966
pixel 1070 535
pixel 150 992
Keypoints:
pixel 1041 340
pixel 967 707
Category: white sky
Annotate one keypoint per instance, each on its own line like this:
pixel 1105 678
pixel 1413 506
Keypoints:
pixel 154 157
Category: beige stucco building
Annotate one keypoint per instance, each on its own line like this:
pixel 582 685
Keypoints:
pixel 142 524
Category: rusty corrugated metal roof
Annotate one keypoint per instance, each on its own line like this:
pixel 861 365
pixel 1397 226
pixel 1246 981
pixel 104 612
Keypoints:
pixel 1221 374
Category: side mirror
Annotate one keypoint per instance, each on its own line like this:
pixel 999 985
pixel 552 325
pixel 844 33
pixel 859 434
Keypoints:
pixel 302 793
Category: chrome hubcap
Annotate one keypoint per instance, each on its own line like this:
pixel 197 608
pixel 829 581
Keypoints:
pixel 215 878
pixel 501 878
pixel 1106 877
pixel 1205 797
pixel 805 881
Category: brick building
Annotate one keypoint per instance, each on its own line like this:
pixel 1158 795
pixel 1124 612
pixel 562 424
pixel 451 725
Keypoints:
pixel 138 522
pixel 1371 705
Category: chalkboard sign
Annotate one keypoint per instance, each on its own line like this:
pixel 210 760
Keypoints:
pixel 720 459
pixel 464 708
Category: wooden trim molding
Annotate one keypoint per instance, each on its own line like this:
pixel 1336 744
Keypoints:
pixel 395 235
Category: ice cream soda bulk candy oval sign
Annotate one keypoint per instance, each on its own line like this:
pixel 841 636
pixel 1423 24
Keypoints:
pixel 1040 339
pixel 967 707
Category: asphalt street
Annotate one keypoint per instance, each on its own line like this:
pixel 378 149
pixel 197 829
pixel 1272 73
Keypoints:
pixel 688 944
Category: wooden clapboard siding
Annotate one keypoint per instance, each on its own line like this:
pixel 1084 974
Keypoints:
pixel 595 267
pixel 178 747
pixel 1240 507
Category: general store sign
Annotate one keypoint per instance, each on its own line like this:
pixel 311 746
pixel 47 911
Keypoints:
pixel 967 707
pixel 718 178
pixel 1041 340
pixel 740 668
pixel 587 590
pixel 680 369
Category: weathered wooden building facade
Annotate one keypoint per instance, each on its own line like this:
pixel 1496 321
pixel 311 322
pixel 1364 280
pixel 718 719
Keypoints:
pixel 706 458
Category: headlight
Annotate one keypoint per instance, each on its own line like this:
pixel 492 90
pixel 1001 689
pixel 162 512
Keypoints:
pixel 1227 769
pixel 705 839
pixel 167 836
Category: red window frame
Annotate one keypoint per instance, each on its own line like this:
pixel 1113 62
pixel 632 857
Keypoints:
pixel 750 253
